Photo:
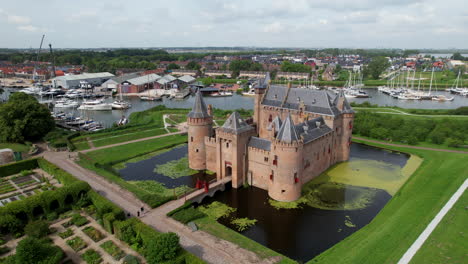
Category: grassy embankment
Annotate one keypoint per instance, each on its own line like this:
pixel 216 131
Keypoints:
pixel 449 241
pixel 407 214
pixel 15 147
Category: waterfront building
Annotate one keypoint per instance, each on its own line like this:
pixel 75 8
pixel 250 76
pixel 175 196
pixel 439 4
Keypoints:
pixel 294 135
pixel 74 81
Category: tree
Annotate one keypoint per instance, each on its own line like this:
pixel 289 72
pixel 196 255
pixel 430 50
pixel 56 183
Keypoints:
pixel 193 66
pixel 24 118
pixel 376 67
pixel 457 56
pixel 453 142
pixel 37 229
pixel 172 66
pixel 9 224
pixel 164 247
pixel 32 250
pixel 295 67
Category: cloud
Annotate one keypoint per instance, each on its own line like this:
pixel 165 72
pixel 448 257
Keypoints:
pixel 202 27
pixel 275 27
pixel 82 15
pixel 29 28
pixel 13 19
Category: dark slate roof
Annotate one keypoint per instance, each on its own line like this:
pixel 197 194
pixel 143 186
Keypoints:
pixel 235 124
pixel 263 83
pixel 312 129
pixel 277 123
pixel 260 143
pixel 315 101
pixel 287 132
pixel 199 108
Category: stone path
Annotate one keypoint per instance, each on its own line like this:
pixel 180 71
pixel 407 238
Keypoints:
pixel 432 225
pixel 412 147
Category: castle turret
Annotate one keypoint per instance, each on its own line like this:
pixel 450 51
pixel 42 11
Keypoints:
pixel 200 124
pixel 259 91
pixel 347 119
pixel 285 180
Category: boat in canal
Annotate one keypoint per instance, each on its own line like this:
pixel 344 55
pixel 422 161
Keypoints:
pixel 95 105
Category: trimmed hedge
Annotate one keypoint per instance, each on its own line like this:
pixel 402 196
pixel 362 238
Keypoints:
pixel 17 167
pixel 183 207
pixel 188 215
pixel 61 175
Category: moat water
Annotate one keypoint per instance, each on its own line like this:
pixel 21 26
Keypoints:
pixel 304 233
pixel 144 170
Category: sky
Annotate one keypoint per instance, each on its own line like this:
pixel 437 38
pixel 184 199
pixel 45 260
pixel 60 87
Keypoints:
pixel 248 23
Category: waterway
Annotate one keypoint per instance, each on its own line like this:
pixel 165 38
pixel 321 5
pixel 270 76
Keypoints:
pixel 108 118
pixel 304 233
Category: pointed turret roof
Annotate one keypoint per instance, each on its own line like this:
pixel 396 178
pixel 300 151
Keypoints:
pixel 276 123
pixel 235 124
pixel 287 132
pixel 263 83
pixel 346 106
pixel 199 107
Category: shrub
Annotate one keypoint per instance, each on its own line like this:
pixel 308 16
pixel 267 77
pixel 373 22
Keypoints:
pixel 52 216
pixel 113 250
pixel 188 215
pixel 165 247
pixel 17 167
pixel 76 243
pixel 37 229
pixel 67 233
pixel 130 259
pixel 10 224
pixel 26 172
pixel 91 256
pixel 79 220
pixel 93 233
pixel 32 250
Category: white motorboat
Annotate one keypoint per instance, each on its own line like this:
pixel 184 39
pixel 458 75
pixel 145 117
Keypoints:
pixel 222 94
pixel 150 98
pixel 95 105
pixel 118 104
pixel 442 98
pixel 251 92
pixel 66 104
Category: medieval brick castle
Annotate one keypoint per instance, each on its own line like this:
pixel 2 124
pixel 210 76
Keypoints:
pixel 296 134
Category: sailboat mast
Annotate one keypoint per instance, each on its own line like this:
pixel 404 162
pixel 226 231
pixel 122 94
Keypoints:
pixel 37 58
pixel 432 77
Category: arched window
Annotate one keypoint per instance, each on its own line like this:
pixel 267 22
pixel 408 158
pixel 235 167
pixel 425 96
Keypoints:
pixel 191 139
pixel 350 125
pixel 270 118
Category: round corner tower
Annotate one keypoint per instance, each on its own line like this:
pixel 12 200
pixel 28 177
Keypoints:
pixel 200 124
pixel 285 180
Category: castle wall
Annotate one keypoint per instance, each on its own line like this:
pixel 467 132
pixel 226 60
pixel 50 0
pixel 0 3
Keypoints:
pixel 211 157
pixel 198 129
pixel 318 157
pixel 259 168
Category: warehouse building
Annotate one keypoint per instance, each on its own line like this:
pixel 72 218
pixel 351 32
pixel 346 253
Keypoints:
pixel 73 81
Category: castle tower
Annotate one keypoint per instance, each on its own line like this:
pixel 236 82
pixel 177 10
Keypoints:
pixel 200 124
pixel 259 91
pixel 232 139
pixel 347 119
pixel 285 181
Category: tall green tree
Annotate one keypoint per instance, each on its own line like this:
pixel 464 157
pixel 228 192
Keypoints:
pixel 376 67
pixel 24 118
pixel 457 56
pixel 32 251
pixel 172 66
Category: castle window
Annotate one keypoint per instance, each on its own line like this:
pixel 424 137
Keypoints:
pixel 271 176
pixel 265 159
pixel 296 179
pixel 282 191
pixel 275 161
pixel 196 150
pixel 350 125
pixel 270 118
pixel 227 144
pixel 191 139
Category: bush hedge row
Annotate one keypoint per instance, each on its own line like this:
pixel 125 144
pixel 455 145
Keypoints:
pixel 17 167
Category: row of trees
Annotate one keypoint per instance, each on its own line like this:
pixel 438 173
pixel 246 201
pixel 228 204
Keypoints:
pixel 452 132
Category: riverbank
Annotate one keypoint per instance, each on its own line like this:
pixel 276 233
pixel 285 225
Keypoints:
pixel 401 221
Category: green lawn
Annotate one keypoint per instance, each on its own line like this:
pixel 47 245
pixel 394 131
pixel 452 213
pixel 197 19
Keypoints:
pixel 15 147
pixel 448 243
pixel 128 151
pixel 407 214
pixel 129 136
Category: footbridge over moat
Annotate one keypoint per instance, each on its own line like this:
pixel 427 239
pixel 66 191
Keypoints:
pixel 198 195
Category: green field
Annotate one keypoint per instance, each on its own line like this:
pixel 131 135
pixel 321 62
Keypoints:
pixel 407 214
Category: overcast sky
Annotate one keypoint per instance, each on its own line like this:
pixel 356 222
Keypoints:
pixel 265 23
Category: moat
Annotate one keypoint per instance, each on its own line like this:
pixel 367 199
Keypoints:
pixel 304 233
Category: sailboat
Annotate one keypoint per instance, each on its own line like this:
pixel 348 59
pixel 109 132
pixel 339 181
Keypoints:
pixel 120 104
pixel 150 97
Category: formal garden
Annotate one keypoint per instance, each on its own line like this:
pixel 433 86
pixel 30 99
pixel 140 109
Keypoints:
pixel 72 223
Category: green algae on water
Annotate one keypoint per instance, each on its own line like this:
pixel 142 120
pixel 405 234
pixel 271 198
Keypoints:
pixel 216 210
pixel 348 222
pixel 175 169
pixel 243 223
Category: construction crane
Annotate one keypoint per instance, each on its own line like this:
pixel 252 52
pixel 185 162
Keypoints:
pixel 37 60
pixel 53 60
